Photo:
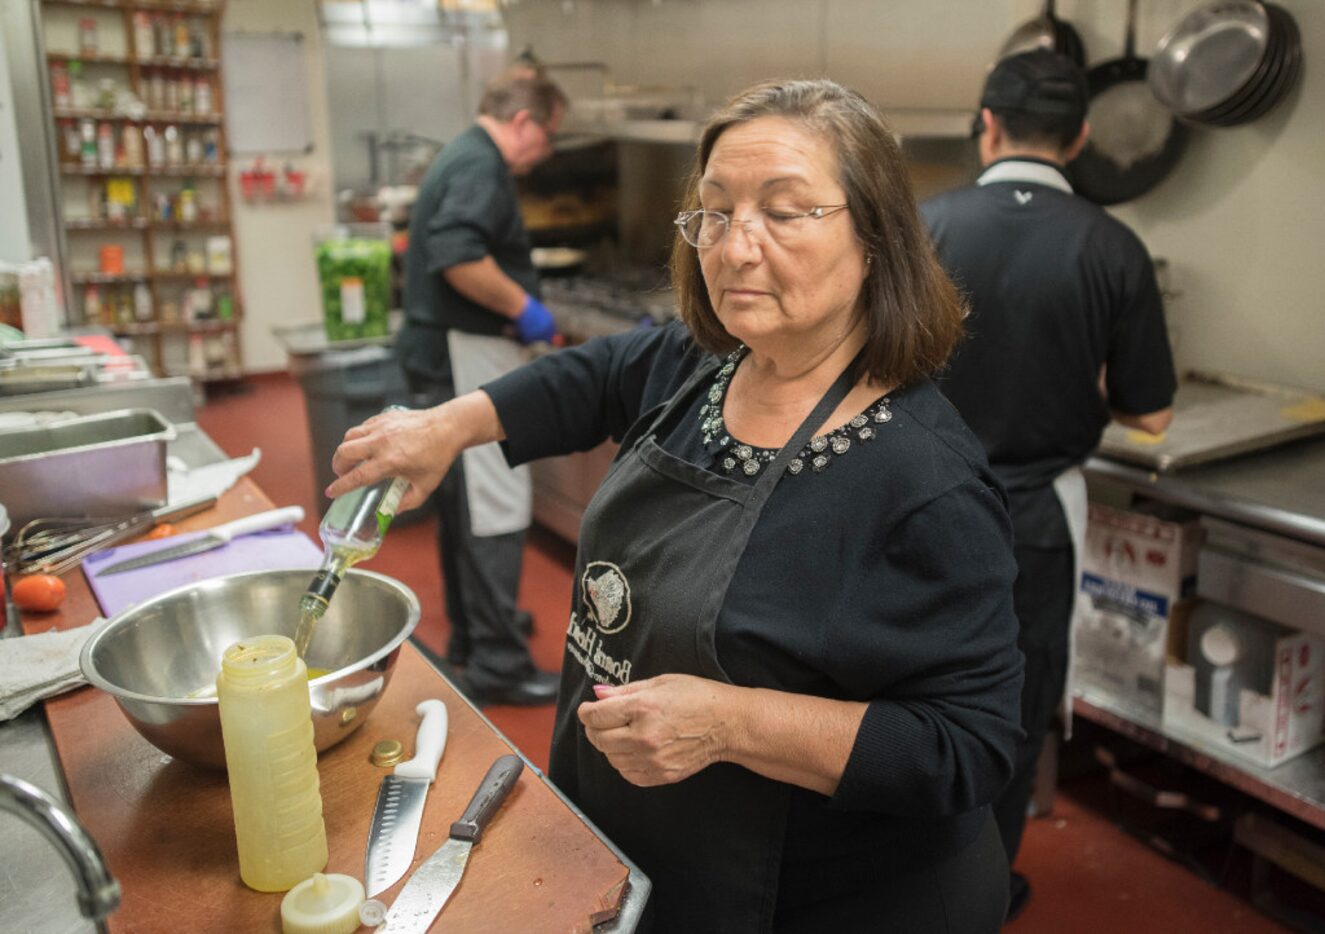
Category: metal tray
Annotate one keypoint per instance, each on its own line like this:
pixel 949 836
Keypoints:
pixel 93 465
pixel 1216 416
pixel 15 380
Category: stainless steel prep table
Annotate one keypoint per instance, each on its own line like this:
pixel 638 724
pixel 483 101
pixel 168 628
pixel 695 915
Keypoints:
pixel 1281 490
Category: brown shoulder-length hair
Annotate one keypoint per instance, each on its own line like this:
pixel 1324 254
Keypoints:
pixel 912 312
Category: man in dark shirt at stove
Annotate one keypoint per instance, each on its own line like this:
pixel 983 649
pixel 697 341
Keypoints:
pixel 471 301
pixel 1066 331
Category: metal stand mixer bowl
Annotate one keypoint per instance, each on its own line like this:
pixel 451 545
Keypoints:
pixel 160 658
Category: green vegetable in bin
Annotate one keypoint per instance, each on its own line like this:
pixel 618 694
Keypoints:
pixel 356 287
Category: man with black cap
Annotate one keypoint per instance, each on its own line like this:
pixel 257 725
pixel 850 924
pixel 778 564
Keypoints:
pixel 1066 331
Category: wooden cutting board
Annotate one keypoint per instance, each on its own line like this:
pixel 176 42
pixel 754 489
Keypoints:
pixel 166 830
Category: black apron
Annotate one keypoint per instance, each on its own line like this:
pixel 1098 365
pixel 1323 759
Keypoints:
pixel 659 544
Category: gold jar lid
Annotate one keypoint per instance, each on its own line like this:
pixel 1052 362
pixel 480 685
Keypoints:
pixel 388 753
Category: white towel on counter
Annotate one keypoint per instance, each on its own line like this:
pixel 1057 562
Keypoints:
pixel 187 483
pixel 34 667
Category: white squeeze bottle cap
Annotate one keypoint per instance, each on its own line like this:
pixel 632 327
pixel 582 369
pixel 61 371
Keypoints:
pixel 325 904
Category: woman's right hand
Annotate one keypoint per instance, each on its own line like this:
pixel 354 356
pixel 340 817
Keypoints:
pixel 418 445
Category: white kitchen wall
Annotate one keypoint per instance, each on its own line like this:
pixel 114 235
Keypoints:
pixel 1240 220
pixel 274 242
pixel 14 244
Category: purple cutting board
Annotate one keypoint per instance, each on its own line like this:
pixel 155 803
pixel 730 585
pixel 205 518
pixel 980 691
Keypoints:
pixel 279 549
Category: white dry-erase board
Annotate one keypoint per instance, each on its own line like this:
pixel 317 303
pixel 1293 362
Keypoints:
pixel 266 92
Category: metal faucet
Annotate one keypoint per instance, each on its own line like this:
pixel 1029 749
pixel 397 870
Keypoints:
pixel 98 892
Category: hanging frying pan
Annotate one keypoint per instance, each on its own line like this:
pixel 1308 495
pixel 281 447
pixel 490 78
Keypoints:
pixel 1134 140
pixel 1046 31
pixel 1283 63
pixel 1215 54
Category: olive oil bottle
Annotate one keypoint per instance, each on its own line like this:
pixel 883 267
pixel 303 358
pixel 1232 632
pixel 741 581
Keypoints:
pixel 351 531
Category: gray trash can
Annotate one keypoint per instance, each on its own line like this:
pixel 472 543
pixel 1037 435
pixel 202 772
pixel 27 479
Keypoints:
pixel 343 384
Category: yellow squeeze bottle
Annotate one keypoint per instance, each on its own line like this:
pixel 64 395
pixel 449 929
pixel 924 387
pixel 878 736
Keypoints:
pixel 267 727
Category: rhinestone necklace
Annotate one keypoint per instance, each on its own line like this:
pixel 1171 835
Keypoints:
pixel 732 456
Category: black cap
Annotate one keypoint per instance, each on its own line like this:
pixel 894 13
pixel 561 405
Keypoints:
pixel 1039 82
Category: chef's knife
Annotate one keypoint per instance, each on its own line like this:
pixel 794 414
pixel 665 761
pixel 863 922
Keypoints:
pixel 214 538
pixel 432 883
pixel 400 800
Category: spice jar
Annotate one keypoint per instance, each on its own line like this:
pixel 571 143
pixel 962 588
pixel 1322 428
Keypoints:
pixel 87 35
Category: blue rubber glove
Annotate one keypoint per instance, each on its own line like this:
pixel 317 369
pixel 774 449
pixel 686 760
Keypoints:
pixel 534 322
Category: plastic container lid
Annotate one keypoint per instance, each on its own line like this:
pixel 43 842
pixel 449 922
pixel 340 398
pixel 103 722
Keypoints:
pixel 325 904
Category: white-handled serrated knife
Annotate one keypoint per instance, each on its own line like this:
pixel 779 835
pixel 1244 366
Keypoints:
pixel 432 884
pixel 214 537
pixel 400 800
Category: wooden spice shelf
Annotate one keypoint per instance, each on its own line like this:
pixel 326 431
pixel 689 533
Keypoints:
pixel 170 275
pixel 105 278
pixel 161 6
pixel 88 58
pixel 135 67
pixel 88 224
pixel 205 326
pixel 202 170
pixel 214 118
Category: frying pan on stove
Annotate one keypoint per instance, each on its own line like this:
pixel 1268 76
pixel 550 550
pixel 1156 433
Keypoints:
pixel 1134 140
pixel 1046 31
pixel 558 260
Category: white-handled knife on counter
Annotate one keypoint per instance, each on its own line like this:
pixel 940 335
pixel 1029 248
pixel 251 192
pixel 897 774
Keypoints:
pixel 400 800
pixel 213 538
pixel 427 891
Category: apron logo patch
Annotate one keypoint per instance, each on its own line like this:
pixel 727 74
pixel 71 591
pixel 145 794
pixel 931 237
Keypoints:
pixel 606 594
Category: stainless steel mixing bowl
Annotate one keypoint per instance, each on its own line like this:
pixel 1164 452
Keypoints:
pixel 154 655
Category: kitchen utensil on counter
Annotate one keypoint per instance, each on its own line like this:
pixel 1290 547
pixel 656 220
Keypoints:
pixel 271 551
pixel 1217 416
pixel 153 655
pixel 101 464
pixel 427 891
pixel 1227 62
pixel 54 545
pixel 1046 31
pixel 9 624
pixel 400 799
pixel 215 537
pixel 1134 141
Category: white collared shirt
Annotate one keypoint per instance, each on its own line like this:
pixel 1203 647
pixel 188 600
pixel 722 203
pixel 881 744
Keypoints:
pixel 1025 170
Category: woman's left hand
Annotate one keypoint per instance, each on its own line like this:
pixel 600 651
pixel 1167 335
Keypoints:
pixel 658 731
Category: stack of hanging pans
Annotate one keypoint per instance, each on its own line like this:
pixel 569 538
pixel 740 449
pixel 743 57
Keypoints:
pixel 1227 63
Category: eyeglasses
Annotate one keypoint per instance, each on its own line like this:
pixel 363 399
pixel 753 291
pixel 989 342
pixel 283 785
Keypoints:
pixel 704 229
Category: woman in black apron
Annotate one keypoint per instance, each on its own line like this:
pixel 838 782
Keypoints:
pixel 791 680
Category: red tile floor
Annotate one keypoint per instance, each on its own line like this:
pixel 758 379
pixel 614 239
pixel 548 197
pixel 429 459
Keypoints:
pixel 1087 874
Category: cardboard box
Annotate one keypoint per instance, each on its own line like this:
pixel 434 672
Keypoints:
pixel 1247 686
pixel 1138 572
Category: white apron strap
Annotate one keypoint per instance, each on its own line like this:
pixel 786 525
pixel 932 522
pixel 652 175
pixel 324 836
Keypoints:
pixel 500 497
pixel 1070 488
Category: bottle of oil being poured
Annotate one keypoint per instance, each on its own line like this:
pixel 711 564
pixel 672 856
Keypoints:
pixel 351 531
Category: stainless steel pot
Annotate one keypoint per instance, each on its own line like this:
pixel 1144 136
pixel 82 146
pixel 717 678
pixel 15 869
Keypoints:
pixel 159 657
